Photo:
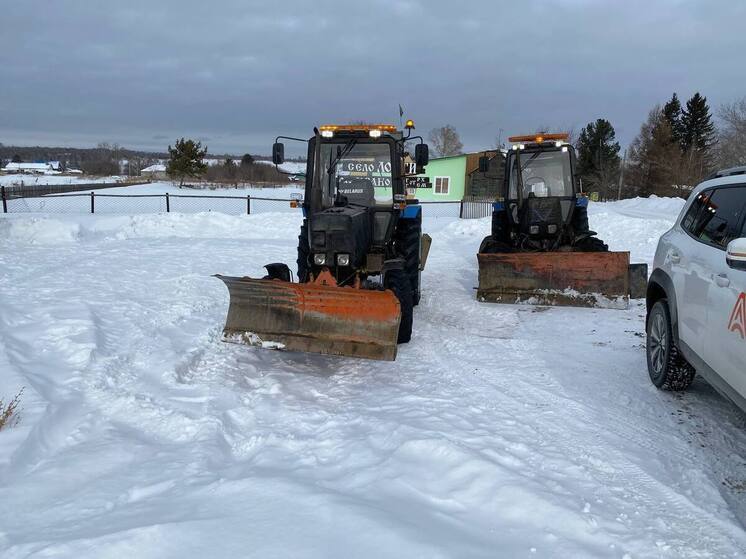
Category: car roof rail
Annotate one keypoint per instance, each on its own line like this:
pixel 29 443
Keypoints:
pixel 728 172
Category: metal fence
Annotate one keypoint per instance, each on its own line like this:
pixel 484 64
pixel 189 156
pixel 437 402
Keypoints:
pixel 30 190
pixel 91 202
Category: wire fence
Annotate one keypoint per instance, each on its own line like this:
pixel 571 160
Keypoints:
pixel 92 202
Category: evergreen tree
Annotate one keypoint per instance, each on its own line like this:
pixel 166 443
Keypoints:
pixel 598 157
pixel 698 128
pixel 247 160
pixel 186 159
pixel 672 112
pixel 17 159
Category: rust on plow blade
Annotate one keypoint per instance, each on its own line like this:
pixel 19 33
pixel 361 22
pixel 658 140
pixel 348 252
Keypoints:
pixel 579 279
pixel 313 318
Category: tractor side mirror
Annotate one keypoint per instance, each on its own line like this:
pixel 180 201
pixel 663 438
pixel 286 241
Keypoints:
pixel 278 153
pixel 736 254
pixel 421 155
pixel 484 164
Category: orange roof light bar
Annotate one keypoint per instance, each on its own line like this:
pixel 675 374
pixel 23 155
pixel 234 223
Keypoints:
pixel 539 138
pixel 357 127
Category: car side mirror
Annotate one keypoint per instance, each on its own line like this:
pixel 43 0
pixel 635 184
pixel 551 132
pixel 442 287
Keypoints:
pixel 278 153
pixel 484 164
pixel 421 155
pixel 736 254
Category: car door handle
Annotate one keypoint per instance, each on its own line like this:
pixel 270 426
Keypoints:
pixel 721 280
pixel 675 257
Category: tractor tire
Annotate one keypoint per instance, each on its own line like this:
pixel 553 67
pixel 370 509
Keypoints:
pixel 591 244
pixel 580 220
pixel 667 368
pixel 398 282
pixel 490 245
pixel 304 252
pixel 408 235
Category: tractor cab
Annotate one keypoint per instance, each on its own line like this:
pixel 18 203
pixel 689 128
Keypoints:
pixel 354 197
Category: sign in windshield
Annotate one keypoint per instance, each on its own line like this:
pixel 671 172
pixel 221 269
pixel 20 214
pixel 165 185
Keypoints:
pixel 362 172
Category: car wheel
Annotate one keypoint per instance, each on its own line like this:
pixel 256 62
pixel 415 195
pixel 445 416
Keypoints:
pixel 667 368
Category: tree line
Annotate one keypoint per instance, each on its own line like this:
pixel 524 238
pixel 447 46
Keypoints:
pixel 677 147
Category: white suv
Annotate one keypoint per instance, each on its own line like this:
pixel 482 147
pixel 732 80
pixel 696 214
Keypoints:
pixel 696 296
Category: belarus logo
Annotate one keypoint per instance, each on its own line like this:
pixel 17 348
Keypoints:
pixel 737 321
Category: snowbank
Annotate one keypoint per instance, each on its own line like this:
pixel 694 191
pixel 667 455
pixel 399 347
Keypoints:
pixel 499 430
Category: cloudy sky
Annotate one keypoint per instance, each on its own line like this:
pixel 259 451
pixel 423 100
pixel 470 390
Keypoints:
pixel 235 73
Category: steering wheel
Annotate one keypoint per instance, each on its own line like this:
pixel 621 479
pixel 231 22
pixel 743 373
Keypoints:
pixel 534 180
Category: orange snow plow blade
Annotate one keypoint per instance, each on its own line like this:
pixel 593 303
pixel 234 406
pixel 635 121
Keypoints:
pixel 313 318
pixel 580 279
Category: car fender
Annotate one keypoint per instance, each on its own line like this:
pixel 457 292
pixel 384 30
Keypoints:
pixel 661 279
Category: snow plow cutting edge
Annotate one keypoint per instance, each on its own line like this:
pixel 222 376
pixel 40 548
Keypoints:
pixel 583 279
pixel 312 317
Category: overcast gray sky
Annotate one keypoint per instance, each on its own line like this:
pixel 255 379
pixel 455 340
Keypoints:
pixel 235 73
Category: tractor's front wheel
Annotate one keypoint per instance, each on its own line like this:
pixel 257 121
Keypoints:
pixel 398 282
pixel 408 238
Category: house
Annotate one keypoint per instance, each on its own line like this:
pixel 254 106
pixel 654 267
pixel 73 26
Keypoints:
pixel 32 168
pixel 457 177
pixel 157 172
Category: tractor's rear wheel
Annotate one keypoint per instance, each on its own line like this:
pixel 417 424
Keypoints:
pixel 408 237
pixel 398 282
pixel 304 251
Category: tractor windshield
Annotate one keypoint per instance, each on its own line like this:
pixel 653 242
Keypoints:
pixel 360 171
pixel 544 173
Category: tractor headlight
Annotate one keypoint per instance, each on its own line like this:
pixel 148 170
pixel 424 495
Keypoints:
pixel 533 230
pixel 552 229
pixel 343 260
pixel 375 133
pixel 327 133
pixel 319 259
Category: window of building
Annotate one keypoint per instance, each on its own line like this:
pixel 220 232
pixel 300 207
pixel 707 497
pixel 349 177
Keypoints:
pixel 442 185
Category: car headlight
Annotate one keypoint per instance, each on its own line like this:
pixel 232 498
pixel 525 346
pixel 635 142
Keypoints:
pixel 343 260
pixel 319 259
pixel 533 230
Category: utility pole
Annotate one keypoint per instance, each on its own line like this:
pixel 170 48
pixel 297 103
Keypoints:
pixel 621 176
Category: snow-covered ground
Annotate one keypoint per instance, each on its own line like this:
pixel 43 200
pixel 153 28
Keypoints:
pixel 500 431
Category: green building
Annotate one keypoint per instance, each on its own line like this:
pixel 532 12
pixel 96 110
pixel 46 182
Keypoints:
pixel 457 177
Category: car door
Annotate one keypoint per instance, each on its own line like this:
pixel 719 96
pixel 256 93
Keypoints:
pixel 687 258
pixel 725 346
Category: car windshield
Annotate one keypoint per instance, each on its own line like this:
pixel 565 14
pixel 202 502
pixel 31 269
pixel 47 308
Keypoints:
pixel 361 171
pixel 544 174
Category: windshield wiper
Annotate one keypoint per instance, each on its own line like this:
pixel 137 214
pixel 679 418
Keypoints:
pixel 333 164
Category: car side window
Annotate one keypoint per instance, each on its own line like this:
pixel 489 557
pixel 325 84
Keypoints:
pixel 692 221
pixel 719 217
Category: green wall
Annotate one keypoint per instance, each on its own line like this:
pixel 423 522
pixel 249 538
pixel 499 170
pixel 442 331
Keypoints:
pixel 453 167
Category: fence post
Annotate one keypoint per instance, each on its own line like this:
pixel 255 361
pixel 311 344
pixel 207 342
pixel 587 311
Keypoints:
pixel 461 209
pixel 92 203
pixel 248 204
pixel 168 205
pixel 5 202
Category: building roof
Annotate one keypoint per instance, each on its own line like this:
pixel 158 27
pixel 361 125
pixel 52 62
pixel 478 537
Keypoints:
pixel 28 167
pixel 157 168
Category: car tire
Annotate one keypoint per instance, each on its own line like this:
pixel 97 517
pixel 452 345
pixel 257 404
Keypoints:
pixel 398 282
pixel 667 368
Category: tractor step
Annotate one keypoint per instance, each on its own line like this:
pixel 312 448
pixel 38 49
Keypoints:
pixel 313 318
pixel 581 279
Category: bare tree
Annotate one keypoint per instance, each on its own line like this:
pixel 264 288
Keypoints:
pixel 731 147
pixel 445 141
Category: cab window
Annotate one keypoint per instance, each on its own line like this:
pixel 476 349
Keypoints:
pixel 716 217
